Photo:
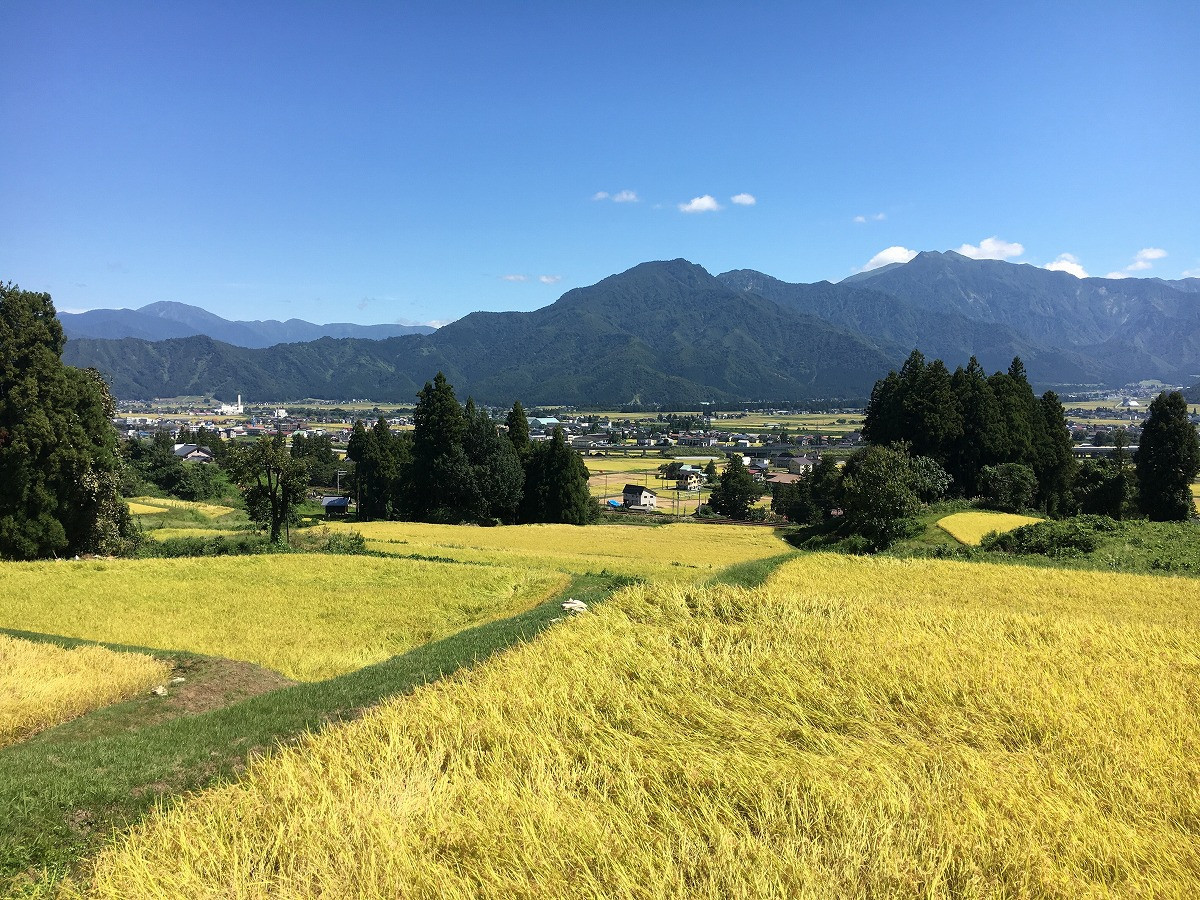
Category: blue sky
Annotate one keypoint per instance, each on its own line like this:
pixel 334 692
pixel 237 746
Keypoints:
pixel 380 162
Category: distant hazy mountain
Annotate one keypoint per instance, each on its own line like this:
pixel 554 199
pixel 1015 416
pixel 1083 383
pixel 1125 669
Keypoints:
pixel 671 333
pixel 1053 309
pixel 665 332
pixel 164 320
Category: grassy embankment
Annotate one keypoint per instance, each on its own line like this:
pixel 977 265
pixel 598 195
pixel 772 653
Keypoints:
pixel 854 727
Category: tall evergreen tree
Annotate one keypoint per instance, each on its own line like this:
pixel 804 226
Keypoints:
pixel 518 428
pixel 556 485
pixel 1016 403
pixel 438 487
pixel 496 467
pixel 1056 466
pixel 59 463
pixel 1167 459
pixel 982 438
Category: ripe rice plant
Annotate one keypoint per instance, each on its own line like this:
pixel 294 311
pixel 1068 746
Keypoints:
pixel 854 728
pixel 142 509
pixel 970 527
pixel 308 616
pixel 669 551
pixel 42 685
pixel 211 510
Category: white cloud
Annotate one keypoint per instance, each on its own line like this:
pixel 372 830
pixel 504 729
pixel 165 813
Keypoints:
pixel 1117 275
pixel 743 199
pixel 623 196
pixel 515 277
pixel 875 217
pixel 992 248
pixel 1067 263
pixel 889 256
pixel 1144 259
pixel 1190 273
pixel 549 279
pixel 707 203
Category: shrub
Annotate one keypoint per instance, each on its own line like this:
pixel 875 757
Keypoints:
pixel 1068 537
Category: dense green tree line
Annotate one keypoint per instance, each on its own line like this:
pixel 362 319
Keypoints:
pixel 458 466
pixel 969 422
pixel 59 462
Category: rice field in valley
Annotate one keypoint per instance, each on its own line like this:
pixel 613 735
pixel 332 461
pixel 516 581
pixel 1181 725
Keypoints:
pixel 855 727
pixel 308 617
pixel 676 551
pixel 970 527
pixel 42 685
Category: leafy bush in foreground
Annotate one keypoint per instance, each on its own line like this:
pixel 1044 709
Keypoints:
pixel 1067 537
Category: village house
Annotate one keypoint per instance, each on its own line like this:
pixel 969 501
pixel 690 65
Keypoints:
pixel 636 496
pixel 193 453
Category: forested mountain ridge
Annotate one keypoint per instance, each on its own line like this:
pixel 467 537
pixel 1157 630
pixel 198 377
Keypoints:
pixel 165 320
pixel 671 333
pixel 663 332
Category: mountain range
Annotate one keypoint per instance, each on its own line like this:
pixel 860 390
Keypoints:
pixel 671 333
pixel 164 320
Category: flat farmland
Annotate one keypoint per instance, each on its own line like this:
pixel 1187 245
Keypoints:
pixel 853 728
pixel 308 617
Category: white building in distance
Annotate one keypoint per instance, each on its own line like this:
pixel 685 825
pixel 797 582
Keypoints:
pixel 230 409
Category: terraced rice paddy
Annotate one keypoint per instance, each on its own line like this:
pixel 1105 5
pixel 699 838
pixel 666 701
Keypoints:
pixel 854 728
pixel 155 504
pixel 307 616
pixel 970 527
pixel 677 551
pixel 42 685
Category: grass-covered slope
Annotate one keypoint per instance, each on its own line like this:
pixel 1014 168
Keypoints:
pixel 853 728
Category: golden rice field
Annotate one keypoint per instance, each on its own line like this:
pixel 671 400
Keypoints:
pixel 42 685
pixel 970 527
pixel 212 510
pixel 856 728
pixel 667 551
pixel 619 465
pixel 307 616
pixel 141 509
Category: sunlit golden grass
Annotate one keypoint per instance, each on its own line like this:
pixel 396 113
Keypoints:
pixel 970 527
pixel 42 685
pixel 856 728
pixel 668 551
pixel 212 510
pixel 141 509
pixel 307 616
